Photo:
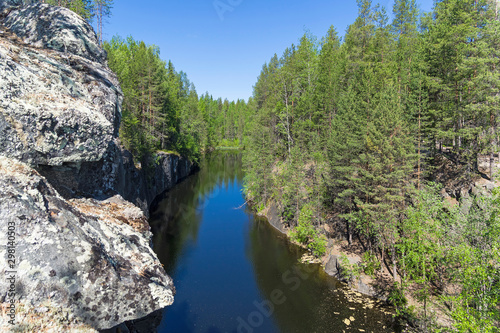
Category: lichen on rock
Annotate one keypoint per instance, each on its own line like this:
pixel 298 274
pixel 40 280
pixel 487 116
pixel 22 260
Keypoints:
pixel 80 254
pixel 83 246
pixel 57 106
pixel 55 28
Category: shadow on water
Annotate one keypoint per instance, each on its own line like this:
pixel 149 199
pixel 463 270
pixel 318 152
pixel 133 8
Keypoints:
pixel 235 273
pixel 177 217
pixel 310 301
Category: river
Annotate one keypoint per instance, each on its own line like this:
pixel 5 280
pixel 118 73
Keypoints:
pixel 233 272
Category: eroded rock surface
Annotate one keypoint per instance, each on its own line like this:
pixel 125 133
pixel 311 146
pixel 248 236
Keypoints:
pixel 83 252
pixel 56 106
pixel 55 28
pixel 117 173
pixel 91 258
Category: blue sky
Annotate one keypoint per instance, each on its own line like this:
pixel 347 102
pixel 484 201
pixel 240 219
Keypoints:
pixel 222 44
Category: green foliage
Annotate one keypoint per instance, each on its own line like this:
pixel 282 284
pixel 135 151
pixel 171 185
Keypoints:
pixel 318 245
pixel 370 264
pixel 305 232
pixel 142 77
pixel 351 131
pixel 161 108
pixel 422 229
pixel 84 8
pixel 476 307
pixel 398 299
pixel 225 143
pixel 351 272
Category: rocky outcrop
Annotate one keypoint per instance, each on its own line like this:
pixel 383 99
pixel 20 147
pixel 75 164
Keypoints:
pixel 83 256
pixel 56 107
pixel 271 214
pixel 362 283
pixel 47 27
pixel 91 258
pixel 116 173
pixel 60 110
pixel 158 175
pixel 332 263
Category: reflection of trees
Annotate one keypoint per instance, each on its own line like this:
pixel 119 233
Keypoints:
pixel 310 307
pixel 176 221
pixel 272 256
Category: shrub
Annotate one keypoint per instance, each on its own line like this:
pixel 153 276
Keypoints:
pixel 351 272
pixel 318 245
pixel 399 301
pixel 305 233
pixel 370 263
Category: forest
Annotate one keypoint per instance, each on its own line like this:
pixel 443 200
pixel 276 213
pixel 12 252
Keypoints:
pixel 162 110
pixel 378 136
pixel 368 133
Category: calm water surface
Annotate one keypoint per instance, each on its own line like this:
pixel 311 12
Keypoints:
pixel 234 273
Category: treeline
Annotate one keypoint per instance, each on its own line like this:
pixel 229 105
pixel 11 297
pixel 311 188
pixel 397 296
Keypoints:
pixel 351 132
pixel 161 108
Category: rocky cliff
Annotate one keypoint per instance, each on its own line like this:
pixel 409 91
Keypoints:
pixel 89 259
pixel 74 198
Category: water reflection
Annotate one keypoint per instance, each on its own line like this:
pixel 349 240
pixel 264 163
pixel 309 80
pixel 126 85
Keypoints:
pixel 234 272
pixel 175 221
pixel 310 301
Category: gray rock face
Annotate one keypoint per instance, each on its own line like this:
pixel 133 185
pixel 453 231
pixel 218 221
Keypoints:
pixel 91 258
pixel 8 5
pixel 271 214
pixel 55 107
pixel 333 267
pixel 83 253
pixel 55 28
pixel 116 173
pixel 166 171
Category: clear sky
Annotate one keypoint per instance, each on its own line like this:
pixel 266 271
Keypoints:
pixel 222 44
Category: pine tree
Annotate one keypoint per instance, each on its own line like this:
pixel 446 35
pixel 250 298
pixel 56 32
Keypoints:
pixel 482 80
pixel 331 64
pixel 386 179
pixel 456 51
pixel 410 69
pixel 101 9
pixel 305 73
pixel 345 146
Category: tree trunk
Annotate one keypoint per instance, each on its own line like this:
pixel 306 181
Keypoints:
pixel 492 143
pixel 394 270
pixel 419 138
pixel 349 233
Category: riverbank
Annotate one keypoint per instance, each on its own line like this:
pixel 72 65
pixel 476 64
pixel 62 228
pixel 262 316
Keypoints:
pixel 349 261
pixel 229 264
pixel 331 261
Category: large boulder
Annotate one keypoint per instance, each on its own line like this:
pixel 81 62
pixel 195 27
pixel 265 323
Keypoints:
pixel 91 259
pixel 57 105
pixel 335 267
pixel 83 255
pixel 55 28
